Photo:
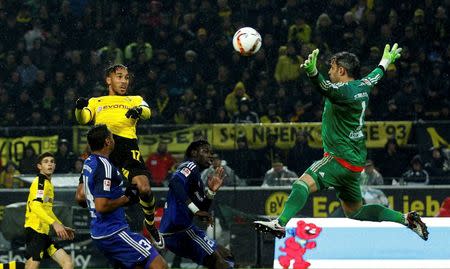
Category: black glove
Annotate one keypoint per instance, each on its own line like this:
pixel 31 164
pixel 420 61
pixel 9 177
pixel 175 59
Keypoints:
pixel 133 194
pixel 134 112
pixel 81 103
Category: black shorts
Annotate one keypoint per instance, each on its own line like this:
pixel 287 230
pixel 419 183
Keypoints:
pixel 39 245
pixel 127 157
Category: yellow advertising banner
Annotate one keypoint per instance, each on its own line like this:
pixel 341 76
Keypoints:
pixel 223 136
pixel 13 148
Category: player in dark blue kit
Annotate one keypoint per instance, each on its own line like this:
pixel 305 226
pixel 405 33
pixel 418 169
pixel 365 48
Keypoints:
pixel 188 197
pixel 102 190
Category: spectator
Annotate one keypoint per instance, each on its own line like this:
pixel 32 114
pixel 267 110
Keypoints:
pixel 64 158
pixel 244 114
pixel 230 178
pixel 279 175
pixel 27 71
pixel 438 165
pixel 287 71
pixel 77 166
pixel 300 32
pixel 9 177
pixel 159 164
pixel 416 175
pixel 392 159
pixel 27 164
pixel 136 48
pixel 370 176
pixel 271 115
pixel 233 98
pixel 111 53
pixel 270 152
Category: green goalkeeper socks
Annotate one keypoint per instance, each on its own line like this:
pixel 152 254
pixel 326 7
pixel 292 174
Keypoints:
pixel 375 212
pixel 295 201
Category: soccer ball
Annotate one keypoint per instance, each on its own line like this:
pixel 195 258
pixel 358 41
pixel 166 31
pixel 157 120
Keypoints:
pixel 247 41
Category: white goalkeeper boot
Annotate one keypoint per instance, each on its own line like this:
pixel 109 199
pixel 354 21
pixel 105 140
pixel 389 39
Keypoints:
pixel 272 226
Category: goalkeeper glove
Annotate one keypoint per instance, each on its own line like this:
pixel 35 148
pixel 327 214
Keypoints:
pixel 81 103
pixel 134 112
pixel 310 65
pixel 133 194
pixel 390 55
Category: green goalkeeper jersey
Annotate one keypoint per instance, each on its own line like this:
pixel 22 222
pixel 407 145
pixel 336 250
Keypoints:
pixel 343 116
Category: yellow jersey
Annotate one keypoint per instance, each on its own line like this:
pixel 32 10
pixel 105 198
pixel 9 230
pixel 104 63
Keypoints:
pixel 39 215
pixel 111 110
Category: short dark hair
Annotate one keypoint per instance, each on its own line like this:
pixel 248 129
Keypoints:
pixel 44 155
pixel 97 135
pixel 113 68
pixel 347 60
pixel 195 146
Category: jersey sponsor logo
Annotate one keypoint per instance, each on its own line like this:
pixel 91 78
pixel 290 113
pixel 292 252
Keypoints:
pixel 186 171
pixel 40 194
pixel 107 185
pixel 322 174
pixel 105 107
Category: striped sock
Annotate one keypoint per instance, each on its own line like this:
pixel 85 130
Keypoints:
pixel 12 265
pixel 147 203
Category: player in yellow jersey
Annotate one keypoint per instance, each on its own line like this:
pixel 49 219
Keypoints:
pixel 39 217
pixel 121 113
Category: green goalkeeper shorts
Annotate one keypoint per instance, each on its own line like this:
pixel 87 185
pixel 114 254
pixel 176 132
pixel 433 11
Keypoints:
pixel 327 173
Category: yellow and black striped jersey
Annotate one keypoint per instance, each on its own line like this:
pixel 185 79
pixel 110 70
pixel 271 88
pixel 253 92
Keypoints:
pixel 111 110
pixel 39 215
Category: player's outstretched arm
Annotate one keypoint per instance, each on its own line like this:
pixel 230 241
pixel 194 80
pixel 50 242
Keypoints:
pixel 390 55
pixel 325 87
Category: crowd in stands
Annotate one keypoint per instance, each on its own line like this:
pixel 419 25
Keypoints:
pixel 52 52
pixel 183 64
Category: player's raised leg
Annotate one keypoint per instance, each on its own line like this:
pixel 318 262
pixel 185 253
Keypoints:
pixel 296 201
pixel 376 212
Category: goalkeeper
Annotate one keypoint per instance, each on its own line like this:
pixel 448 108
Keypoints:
pixel 346 100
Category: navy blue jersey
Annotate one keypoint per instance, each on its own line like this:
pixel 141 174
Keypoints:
pixel 102 179
pixel 185 184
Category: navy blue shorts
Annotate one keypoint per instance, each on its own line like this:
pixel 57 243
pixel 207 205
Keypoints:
pixel 192 243
pixel 127 249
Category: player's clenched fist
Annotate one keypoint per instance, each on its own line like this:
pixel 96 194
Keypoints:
pixel 134 112
pixel 81 103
